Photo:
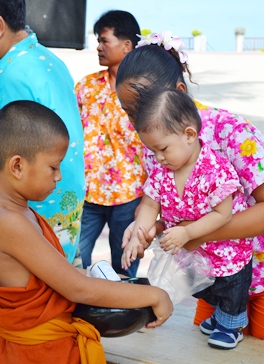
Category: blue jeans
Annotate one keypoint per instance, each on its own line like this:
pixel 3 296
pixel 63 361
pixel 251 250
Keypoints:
pixel 230 296
pixel 118 218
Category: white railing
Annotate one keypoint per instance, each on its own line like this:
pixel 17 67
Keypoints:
pixel 253 44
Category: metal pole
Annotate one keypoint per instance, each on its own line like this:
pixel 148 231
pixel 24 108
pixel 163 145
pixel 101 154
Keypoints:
pixel 86 27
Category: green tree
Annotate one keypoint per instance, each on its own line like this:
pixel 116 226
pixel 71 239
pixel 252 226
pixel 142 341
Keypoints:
pixel 69 201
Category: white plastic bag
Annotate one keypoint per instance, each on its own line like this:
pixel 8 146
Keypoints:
pixel 182 274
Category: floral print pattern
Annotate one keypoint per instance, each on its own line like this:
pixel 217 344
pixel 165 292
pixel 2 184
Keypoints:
pixel 212 180
pixel 113 152
pixel 243 145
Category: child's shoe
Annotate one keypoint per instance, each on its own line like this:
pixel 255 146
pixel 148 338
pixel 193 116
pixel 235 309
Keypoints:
pixel 207 326
pixel 223 338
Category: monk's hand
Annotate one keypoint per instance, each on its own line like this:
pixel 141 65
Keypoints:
pixel 162 310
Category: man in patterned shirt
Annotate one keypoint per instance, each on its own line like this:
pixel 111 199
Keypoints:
pixel 114 167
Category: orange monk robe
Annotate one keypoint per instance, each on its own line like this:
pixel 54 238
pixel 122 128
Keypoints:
pixel 36 325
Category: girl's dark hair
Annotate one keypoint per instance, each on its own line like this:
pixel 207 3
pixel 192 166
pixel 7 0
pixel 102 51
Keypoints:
pixel 167 109
pixel 124 24
pixel 153 64
pixel 14 13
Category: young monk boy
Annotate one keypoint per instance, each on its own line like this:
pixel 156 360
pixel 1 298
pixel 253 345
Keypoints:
pixel 38 286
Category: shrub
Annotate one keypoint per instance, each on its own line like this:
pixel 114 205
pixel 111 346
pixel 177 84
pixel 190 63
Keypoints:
pixel 196 32
pixel 145 31
pixel 240 31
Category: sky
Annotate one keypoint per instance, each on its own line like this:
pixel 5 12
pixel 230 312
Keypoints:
pixel 217 20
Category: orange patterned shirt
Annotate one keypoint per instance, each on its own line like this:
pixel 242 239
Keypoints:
pixel 113 152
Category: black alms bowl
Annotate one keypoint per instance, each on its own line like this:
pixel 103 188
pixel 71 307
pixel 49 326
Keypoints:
pixel 115 322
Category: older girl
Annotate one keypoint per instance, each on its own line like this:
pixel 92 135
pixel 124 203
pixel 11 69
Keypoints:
pixel 160 61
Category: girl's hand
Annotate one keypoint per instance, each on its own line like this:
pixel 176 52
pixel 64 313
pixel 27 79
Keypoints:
pixel 194 243
pixel 130 253
pixel 127 235
pixel 145 237
pixel 175 238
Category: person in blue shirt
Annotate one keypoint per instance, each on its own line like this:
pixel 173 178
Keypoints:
pixel 29 71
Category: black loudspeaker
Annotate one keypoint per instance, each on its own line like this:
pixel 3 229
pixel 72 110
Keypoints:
pixel 57 23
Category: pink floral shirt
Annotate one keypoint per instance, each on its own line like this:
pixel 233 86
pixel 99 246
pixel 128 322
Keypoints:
pixel 243 145
pixel 212 180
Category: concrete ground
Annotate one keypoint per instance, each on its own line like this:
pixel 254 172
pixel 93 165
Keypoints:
pixel 233 81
